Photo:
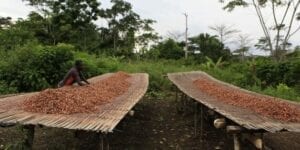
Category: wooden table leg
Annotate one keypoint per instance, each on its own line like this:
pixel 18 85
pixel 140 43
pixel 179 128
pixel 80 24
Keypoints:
pixel 28 136
pixel 201 125
pixel 101 144
pixel 195 118
pixel 107 141
pixel 236 142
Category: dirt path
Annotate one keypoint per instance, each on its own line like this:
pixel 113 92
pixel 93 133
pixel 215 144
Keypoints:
pixel 156 125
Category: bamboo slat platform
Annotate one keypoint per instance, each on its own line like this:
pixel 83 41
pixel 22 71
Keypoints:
pixel 105 120
pixel 243 117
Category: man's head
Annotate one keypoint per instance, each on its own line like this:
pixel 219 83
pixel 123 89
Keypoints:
pixel 79 64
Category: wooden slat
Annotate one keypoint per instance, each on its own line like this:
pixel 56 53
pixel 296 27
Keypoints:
pixel 104 120
pixel 244 117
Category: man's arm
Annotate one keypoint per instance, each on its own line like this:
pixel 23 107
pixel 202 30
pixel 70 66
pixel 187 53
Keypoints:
pixel 83 78
pixel 77 79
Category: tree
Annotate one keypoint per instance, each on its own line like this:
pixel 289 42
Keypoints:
pixel 5 22
pixel 244 43
pixel 15 35
pixel 66 18
pixel 224 32
pixel 210 46
pixel 127 28
pixel 176 35
pixel 169 49
pixel 146 35
pixel 69 21
pixel 282 26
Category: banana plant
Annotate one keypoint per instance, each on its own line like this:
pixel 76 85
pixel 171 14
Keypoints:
pixel 211 64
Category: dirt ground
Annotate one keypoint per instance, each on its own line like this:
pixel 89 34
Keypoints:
pixel 156 125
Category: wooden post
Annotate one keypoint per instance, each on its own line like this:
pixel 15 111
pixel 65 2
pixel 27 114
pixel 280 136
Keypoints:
pixel 195 118
pixel 182 102
pixel 177 103
pixel 107 141
pixel 101 143
pixel 235 130
pixel 236 142
pixel 262 139
pixel 185 103
pixel 255 139
pixel 104 141
pixel 176 94
pixel 201 125
pixel 28 136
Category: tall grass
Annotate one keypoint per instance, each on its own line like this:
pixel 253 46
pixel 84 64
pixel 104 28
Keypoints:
pixel 240 75
pixel 157 70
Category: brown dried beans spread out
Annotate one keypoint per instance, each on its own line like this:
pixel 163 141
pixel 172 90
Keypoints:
pixel 78 99
pixel 265 106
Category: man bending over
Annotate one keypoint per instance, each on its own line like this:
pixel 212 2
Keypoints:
pixel 74 75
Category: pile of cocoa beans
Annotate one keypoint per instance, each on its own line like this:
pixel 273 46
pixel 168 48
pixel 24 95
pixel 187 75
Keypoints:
pixel 263 105
pixel 78 99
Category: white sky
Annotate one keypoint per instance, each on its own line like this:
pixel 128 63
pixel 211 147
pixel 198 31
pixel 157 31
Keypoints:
pixel 169 15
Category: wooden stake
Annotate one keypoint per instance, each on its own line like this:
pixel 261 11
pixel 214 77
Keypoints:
pixel 236 142
pixel 29 136
pixel 201 125
pixel 177 101
pixel 102 142
pixel 182 99
pixel 235 130
pixel 176 94
pixel 255 140
pixel 107 142
pixel 195 118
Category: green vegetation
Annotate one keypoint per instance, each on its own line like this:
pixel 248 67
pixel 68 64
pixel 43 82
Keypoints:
pixel 36 52
pixel 37 69
pixel 261 75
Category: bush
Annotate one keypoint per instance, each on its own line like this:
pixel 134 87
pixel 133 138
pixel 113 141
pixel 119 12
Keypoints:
pixel 53 62
pixel 89 62
pixel 108 64
pixel 6 89
pixel 282 91
pixel 157 70
pixel 272 74
pixel 96 65
pixel 35 67
pixel 262 76
pixel 168 49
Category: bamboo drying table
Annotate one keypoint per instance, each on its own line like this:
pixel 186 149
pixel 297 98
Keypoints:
pixel 241 120
pixel 103 121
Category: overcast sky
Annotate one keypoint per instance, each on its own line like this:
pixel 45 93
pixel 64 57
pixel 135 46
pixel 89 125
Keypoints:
pixel 170 18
